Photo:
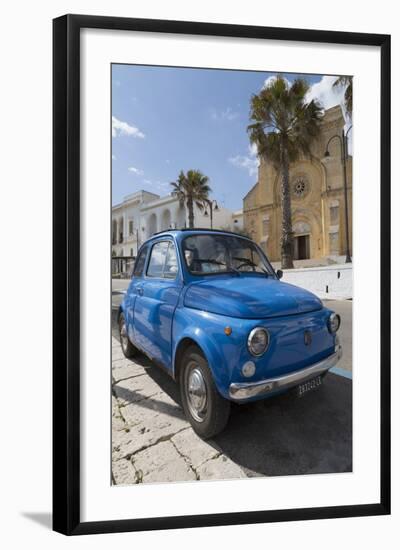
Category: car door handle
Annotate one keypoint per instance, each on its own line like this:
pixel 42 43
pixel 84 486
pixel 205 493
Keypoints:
pixel 139 290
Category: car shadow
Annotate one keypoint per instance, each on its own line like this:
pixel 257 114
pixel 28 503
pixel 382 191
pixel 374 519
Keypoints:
pixel 167 386
pixel 283 435
pixel 286 435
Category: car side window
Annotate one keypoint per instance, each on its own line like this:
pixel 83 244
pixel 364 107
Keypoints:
pixel 171 262
pixel 139 265
pixel 163 261
pixel 157 259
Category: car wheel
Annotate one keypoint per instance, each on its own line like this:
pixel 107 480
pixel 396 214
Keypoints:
pixel 128 349
pixel 206 409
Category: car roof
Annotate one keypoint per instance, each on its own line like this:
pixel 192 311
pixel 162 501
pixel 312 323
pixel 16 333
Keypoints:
pixel 185 230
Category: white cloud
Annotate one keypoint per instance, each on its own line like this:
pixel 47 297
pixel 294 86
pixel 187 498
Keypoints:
pixel 324 92
pixel 226 114
pixel 136 171
pixel 329 96
pixel 253 150
pixel 120 128
pixel 248 162
pixel 272 79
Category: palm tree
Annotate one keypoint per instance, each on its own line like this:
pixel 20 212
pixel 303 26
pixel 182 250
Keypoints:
pixel 190 189
pixel 347 82
pixel 283 128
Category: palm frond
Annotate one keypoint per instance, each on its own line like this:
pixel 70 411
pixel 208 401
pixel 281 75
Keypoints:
pixel 280 117
pixel 191 187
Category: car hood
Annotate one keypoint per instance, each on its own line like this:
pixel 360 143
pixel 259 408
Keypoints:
pixel 249 297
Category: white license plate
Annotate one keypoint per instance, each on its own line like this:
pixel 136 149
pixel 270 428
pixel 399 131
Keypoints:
pixel 308 386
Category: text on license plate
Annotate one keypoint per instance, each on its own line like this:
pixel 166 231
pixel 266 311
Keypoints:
pixel 309 386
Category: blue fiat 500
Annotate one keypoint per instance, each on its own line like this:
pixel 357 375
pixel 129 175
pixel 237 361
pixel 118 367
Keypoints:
pixel 208 307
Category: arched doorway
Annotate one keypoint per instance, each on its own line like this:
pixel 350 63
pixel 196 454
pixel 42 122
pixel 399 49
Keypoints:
pixel 166 220
pixel 114 232
pixel 121 230
pixel 152 225
pixel 181 217
pixel 301 241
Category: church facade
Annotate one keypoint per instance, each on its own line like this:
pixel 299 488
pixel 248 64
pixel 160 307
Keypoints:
pixel 317 196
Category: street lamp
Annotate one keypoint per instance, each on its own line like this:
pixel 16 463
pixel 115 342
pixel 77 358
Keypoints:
pixel 213 205
pixel 344 156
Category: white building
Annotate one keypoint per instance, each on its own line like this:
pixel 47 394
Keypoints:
pixel 142 214
pixel 126 228
pixel 237 220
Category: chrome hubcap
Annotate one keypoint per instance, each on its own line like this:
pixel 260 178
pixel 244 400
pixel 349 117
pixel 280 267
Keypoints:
pixel 124 335
pixel 197 394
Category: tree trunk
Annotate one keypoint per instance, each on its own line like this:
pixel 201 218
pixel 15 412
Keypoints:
pixel 287 233
pixel 190 212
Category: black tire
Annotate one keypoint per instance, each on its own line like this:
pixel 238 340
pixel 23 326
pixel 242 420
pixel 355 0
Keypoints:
pixel 209 417
pixel 128 349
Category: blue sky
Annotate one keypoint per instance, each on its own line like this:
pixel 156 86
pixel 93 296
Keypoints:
pixel 170 119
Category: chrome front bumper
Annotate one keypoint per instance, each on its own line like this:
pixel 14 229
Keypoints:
pixel 246 390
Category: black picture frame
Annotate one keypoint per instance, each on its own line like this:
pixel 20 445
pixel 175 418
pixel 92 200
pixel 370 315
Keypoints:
pixel 66 273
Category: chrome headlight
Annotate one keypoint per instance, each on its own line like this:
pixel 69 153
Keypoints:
pixel 258 341
pixel 333 322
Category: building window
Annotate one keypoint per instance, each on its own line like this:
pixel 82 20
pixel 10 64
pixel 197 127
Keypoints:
pixel 130 227
pixel 300 187
pixel 114 232
pixel 334 214
pixel 121 230
pixel 265 226
pixel 131 251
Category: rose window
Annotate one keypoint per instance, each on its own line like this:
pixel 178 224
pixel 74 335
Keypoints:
pixel 300 187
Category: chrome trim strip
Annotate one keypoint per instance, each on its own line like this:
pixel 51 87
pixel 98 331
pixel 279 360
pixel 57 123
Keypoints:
pixel 245 390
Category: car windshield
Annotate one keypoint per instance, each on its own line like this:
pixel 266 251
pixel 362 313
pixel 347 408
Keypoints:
pixel 210 254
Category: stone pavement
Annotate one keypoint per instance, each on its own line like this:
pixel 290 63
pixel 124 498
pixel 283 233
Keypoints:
pixel 151 439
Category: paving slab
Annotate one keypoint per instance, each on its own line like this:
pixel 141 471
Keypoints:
pixel 194 448
pixel 162 463
pixel 132 390
pixel 117 354
pixel 123 472
pixel 147 422
pixel 127 369
pixel 220 468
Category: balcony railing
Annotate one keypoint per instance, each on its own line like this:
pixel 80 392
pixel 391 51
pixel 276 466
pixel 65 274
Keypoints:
pixel 131 238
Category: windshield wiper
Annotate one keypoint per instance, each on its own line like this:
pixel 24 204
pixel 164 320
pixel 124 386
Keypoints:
pixel 247 261
pixel 217 262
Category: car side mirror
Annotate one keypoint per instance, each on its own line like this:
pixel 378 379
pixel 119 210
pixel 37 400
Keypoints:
pixel 279 273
